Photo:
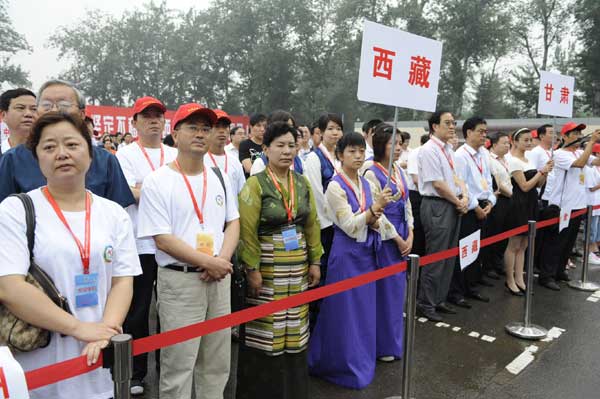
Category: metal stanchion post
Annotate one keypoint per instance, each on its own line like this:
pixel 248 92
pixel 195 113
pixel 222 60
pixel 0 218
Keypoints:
pixel 122 366
pixel 526 329
pixel 412 278
pixel 584 284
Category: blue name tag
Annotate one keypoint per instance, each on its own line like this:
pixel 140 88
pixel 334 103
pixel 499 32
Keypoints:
pixel 86 290
pixel 290 238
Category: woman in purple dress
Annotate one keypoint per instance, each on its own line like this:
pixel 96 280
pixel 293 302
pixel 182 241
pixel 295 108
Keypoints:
pixel 343 345
pixel 390 290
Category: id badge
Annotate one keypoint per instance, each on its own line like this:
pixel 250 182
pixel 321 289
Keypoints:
pixel 484 184
pixel 86 290
pixel 456 180
pixel 205 243
pixel 581 178
pixel 290 238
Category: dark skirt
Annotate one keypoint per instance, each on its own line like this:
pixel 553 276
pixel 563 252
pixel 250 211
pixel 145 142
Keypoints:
pixel 524 206
pixel 260 376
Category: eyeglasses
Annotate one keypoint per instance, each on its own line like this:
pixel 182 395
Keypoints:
pixel 196 129
pixel 60 105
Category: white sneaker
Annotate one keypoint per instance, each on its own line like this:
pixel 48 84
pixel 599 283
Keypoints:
pixel 593 259
pixel 386 359
pixel 137 388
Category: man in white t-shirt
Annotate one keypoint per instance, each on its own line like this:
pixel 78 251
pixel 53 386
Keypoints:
pixel 192 216
pixel 568 194
pixel 237 134
pixel 218 157
pixel 137 162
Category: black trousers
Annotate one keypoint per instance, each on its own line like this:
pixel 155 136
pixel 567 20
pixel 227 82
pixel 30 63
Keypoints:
pixel 557 246
pixel 136 322
pixel 418 233
pixel 493 255
pixel 465 281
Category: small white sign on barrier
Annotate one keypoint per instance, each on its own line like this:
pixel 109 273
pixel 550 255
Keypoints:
pixel 556 94
pixel 12 377
pixel 565 217
pixel 468 249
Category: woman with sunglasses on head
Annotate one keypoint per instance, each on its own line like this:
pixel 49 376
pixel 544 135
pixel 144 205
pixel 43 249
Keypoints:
pixel 525 179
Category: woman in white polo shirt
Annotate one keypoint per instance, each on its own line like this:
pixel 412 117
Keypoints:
pixel 77 234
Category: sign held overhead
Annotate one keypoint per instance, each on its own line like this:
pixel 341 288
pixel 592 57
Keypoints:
pixel 398 68
pixel 556 94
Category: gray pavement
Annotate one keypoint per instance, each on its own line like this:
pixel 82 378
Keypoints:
pixel 452 364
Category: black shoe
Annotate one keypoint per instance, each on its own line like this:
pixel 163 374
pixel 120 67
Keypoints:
pixel 462 302
pixel 429 314
pixel 477 296
pixel 445 308
pixel 550 284
pixel 485 282
pixel 515 293
pixel 500 272
pixel 563 276
pixel 493 275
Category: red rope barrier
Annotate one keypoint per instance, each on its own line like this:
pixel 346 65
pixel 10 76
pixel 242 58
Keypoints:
pixel 73 367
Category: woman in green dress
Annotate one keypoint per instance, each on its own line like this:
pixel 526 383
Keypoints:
pixel 280 247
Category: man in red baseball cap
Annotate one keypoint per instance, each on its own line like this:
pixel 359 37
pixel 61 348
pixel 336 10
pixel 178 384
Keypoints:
pixel 138 161
pixel 565 193
pixel 218 157
pixel 190 210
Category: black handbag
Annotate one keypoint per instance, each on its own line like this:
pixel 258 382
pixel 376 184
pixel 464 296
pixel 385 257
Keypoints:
pixel 14 332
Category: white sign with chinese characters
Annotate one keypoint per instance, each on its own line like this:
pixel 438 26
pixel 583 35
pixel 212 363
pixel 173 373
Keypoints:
pixel 12 377
pixel 556 94
pixel 398 68
pixel 565 218
pixel 468 249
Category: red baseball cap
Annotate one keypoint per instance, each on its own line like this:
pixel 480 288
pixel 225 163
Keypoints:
pixel 187 110
pixel 570 126
pixel 534 134
pixel 222 115
pixel 596 148
pixel 145 102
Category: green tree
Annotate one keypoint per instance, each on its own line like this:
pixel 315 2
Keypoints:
pixel 587 14
pixel 11 42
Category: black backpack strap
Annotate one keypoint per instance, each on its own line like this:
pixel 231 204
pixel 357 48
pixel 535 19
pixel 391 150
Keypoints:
pixel 29 219
pixel 220 176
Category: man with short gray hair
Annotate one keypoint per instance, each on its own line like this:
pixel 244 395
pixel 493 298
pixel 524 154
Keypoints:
pixel 20 172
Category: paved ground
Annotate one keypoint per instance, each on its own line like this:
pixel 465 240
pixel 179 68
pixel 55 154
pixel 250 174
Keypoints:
pixel 452 364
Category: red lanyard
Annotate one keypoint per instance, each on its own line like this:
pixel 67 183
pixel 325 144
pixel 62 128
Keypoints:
pixel 448 158
pixel 192 196
pixel 289 208
pixel 84 250
pixel 479 165
pixel 328 156
pixel 215 162
pixel 363 202
pixel 392 178
pixel 162 155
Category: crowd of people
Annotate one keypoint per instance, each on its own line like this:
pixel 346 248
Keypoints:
pixel 290 207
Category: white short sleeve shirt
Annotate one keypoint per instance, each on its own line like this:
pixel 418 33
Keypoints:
pixel 230 166
pixel 136 167
pixel 112 254
pixel 166 208
pixel 568 183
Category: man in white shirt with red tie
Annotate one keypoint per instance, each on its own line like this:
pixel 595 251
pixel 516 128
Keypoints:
pixel 218 157
pixel 137 161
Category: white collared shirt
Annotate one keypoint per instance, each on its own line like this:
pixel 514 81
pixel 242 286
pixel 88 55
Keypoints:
pixel 436 163
pixel 474 169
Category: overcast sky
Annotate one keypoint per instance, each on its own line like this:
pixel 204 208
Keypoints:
pixel 38 20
